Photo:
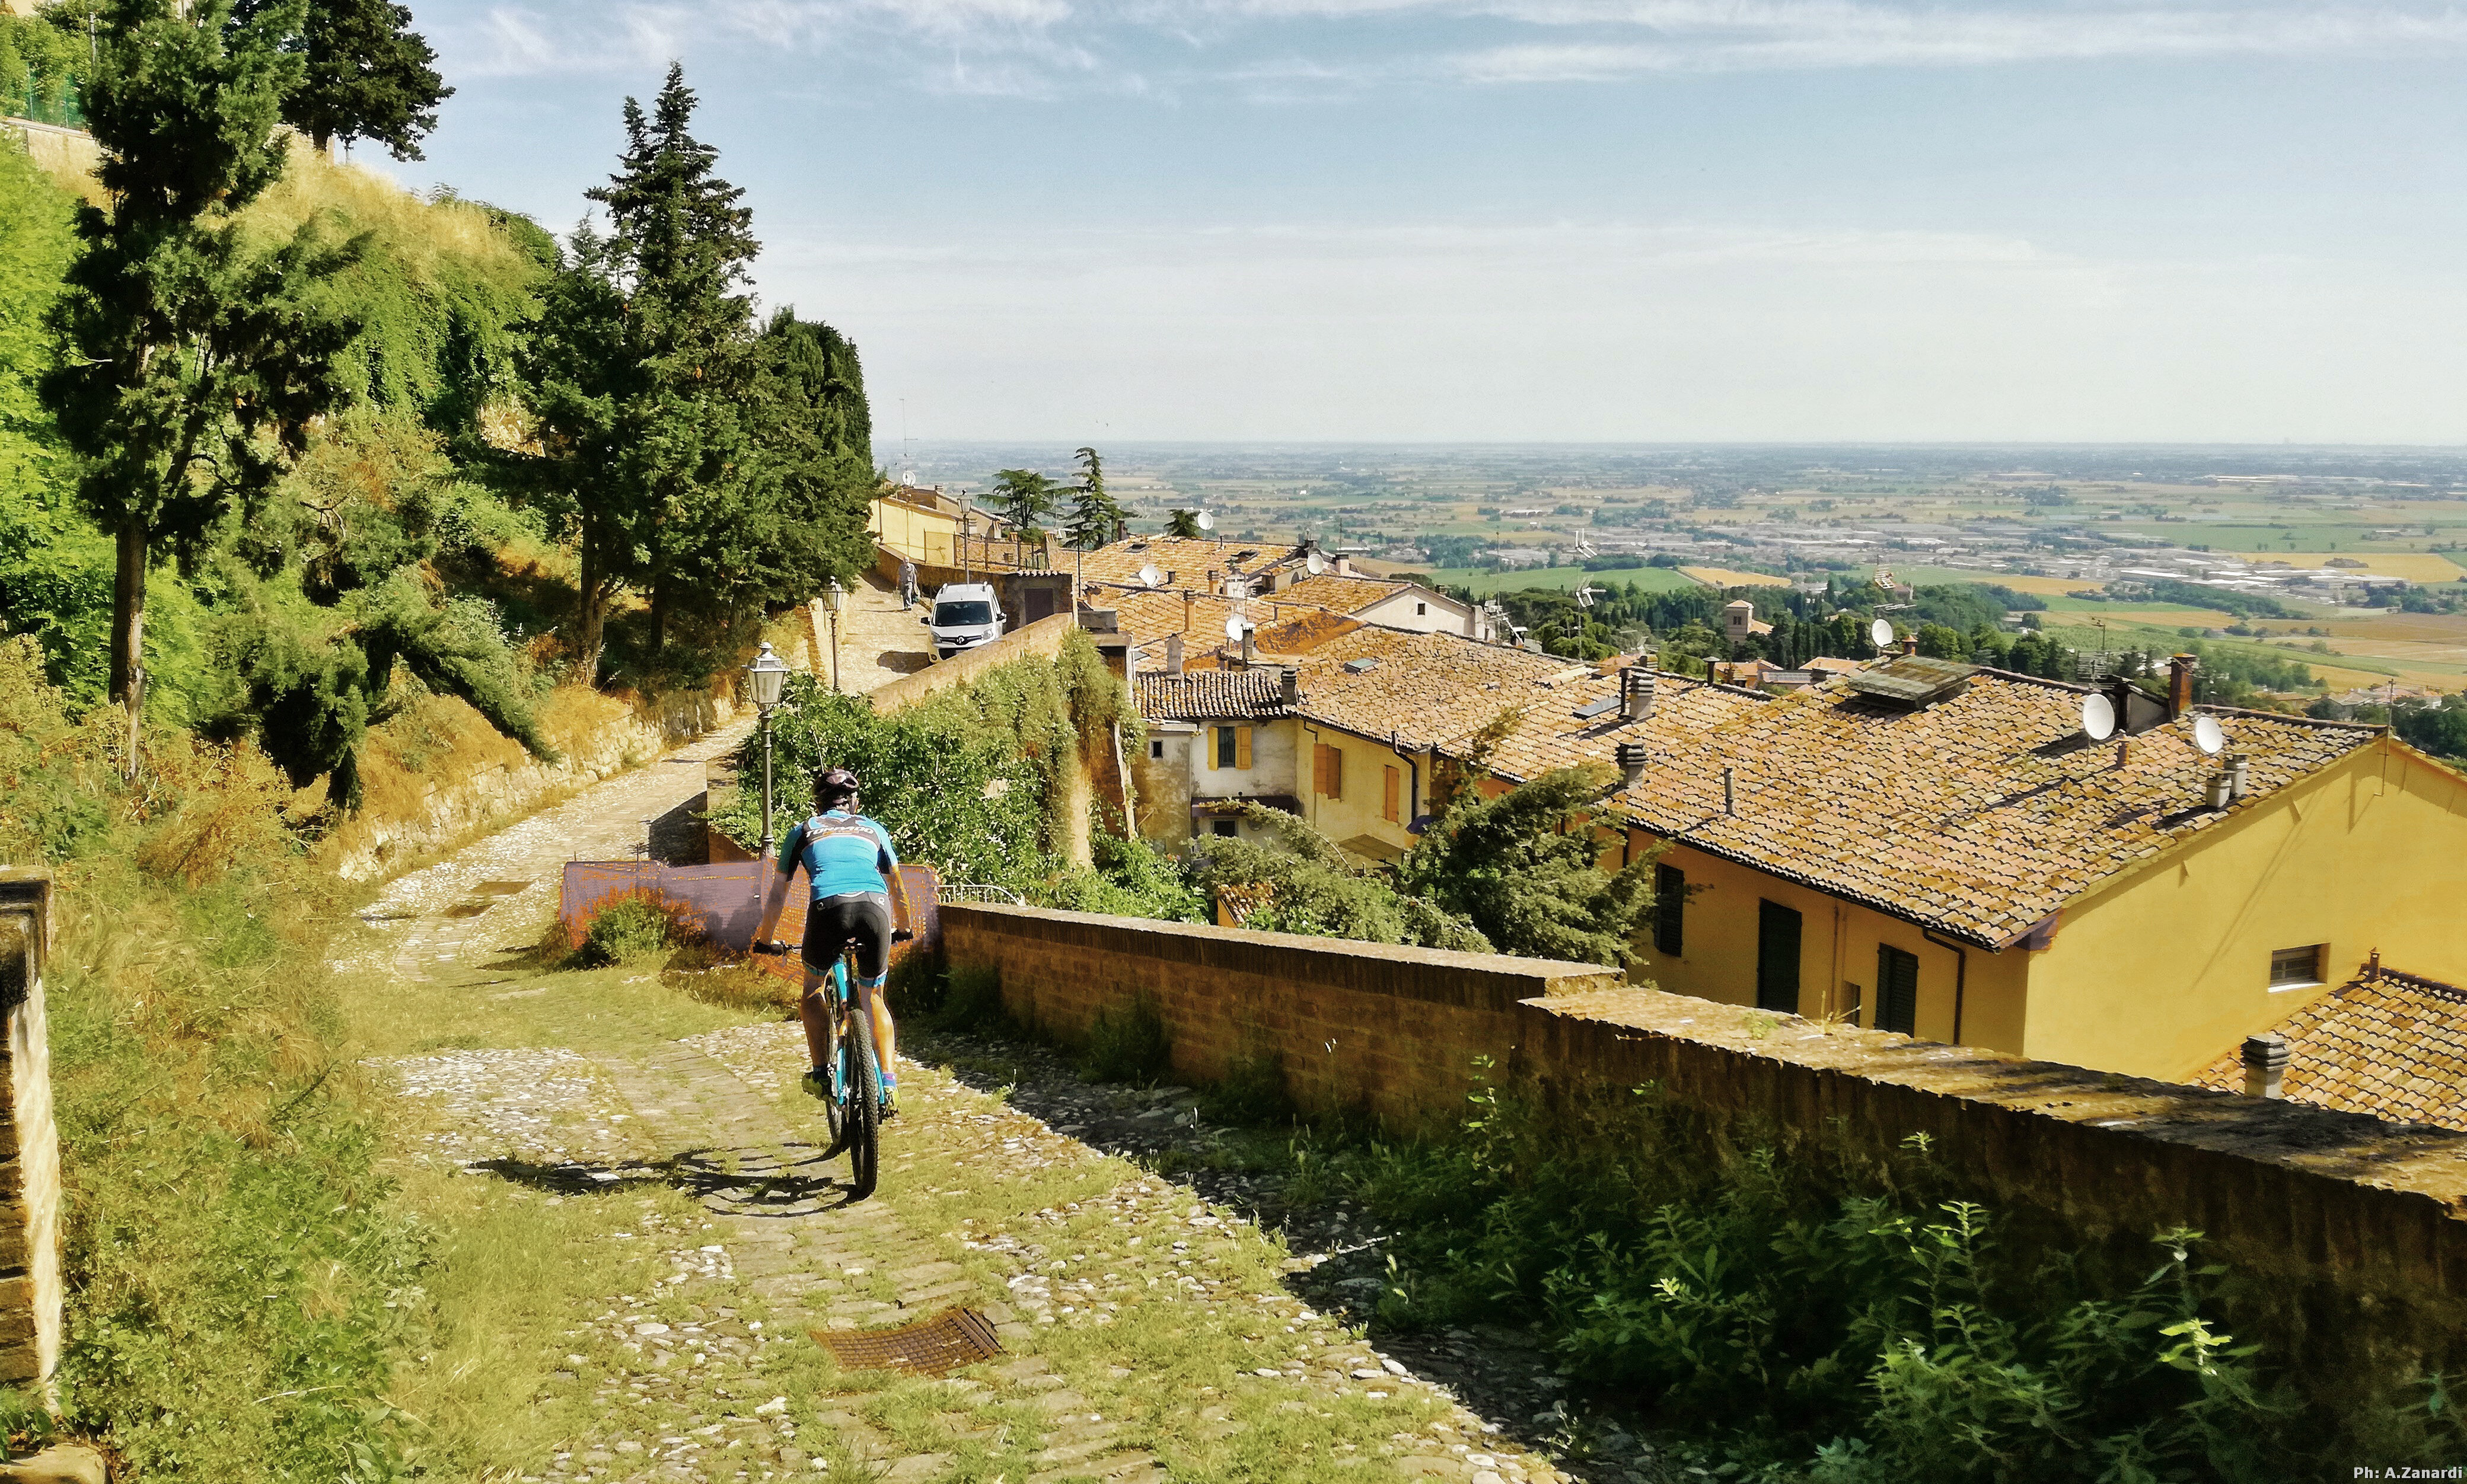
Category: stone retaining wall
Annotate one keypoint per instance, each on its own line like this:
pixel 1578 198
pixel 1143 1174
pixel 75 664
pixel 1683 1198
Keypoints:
pixel 30 1146
pixel 2347 1237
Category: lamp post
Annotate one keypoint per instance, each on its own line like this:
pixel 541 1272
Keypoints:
pixel 834 597
pixel 768 676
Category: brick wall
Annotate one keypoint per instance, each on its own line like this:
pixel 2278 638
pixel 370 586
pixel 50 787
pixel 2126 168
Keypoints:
pixel 2347 1237
pixel 1356 1026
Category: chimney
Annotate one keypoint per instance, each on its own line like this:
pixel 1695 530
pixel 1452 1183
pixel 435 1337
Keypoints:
pixel 2264 1065
pixel 1173 654
pixel 1190 602
pixel 1729 795
pixel 2239 774
pixel 1250 646
pixel 1290 693
pixel 1172 577
pixel 1910 643
pixel 1631 757
pixel 1637 688
pixel 2179 684
pixel 1341 565
pixel 2220 789
pixel 1214 587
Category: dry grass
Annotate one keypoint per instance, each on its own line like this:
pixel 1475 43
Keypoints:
pixel 2413 565
pixel 420 233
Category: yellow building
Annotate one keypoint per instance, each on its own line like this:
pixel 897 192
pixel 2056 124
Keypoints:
pixel 1968 866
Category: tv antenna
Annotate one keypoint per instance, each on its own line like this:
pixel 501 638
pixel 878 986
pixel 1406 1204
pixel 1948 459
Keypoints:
pixel 1585 597
pixel 1149 577
pixel 1881 634
pixel 2208 735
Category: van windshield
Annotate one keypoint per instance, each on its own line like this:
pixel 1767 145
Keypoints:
pixel 948 615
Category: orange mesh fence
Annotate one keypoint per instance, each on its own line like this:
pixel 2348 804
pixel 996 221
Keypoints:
pixel 723 903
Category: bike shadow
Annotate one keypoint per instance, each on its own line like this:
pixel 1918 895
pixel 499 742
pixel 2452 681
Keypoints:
pixel 765 1181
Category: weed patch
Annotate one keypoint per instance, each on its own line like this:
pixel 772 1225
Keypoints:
pixel 634 928
pixel 1127 1045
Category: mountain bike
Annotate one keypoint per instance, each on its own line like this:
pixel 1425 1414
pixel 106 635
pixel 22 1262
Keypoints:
pixel 852 1102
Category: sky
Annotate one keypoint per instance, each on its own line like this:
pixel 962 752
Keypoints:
pixel 1532 220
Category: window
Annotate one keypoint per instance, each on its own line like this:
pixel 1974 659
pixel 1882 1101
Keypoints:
pixel 1777 958
pixel 1669 911
pixel 1421 609
pixel 1224 827
pixel 1156 747
pixel 2294 967
pixel 1224 746
pixel 1393 786
pixel 1328 770
pixel 1897 990
pixel 956 614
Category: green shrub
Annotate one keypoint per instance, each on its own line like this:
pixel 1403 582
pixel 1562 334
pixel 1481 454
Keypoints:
pixel 972 1001
pixel 1252 1092
pixel 632 929
pixel 1127 1045
pixel 1819 1310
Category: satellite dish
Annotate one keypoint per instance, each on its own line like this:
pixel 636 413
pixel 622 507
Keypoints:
pixel 1316 563
pixel 2098 717
pixel 1206 522
pixel 1151 576
pixel 2208 735
pixel 1233 628
pixel 1881 634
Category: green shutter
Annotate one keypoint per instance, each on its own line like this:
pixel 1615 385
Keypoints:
pixel 1777 958
pixel 1669 911
pixel 1898 991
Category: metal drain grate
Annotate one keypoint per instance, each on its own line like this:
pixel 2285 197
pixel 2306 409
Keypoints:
pixel 929 1347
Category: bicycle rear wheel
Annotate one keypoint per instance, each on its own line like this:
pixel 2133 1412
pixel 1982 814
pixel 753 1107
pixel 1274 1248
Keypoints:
pixel 834 1060
pixel 863 1107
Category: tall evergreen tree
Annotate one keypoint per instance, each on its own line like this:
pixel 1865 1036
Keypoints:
pixel 193 363
pixel 1095 518
pixel 368 75
pixel 1024 497
pixel 1183 522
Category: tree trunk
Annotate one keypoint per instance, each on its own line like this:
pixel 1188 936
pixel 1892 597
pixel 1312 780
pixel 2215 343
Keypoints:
pixel 590 614
pixel 128 632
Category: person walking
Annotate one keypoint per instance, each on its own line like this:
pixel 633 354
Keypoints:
pixel 907 584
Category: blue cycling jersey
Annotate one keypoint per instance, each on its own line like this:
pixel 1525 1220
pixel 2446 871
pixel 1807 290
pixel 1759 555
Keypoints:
pixel 842 853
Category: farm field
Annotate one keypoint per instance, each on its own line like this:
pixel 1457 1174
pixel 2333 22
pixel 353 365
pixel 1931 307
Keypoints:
pixel 1725 577
pixel 1653 579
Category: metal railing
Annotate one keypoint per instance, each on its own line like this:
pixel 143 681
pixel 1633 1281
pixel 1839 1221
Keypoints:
pixel 970 892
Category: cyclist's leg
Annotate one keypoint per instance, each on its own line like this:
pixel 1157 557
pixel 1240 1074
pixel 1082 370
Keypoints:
pixel 813 1005
pixel 870 928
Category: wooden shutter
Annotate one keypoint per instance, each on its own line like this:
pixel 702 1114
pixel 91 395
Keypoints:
pixel 1897 990
pixel 1669 911
pixel 1777 958
pixel 1319 767
pixel 1335 771
pixel 1392 789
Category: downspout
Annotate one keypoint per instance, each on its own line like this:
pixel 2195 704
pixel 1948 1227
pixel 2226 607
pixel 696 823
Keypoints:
pixel 1413 780
pixel 1960 975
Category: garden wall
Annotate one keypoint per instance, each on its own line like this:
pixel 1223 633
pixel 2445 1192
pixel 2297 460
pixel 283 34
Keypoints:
pixel 2347 1236
pixel 30 1145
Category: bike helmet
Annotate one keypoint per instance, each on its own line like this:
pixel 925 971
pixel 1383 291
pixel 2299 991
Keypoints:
pixel 834 787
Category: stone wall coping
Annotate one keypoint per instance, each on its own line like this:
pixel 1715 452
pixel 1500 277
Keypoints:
pixel 2430 1162
pixel 1493 981
pixel 1041 639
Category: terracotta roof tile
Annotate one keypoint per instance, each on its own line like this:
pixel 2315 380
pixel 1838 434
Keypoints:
pixel 1980 813
pixel 1425 688
pixel 1552 735
pixel 2393 1047
pixel 1212 695
pixel 1343 595
pixel 1189 558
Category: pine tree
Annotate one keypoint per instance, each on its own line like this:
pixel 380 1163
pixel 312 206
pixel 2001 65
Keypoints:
pixel 1024 497
pixel 1182 523
pixel 1095 518
pixel 368 75
pixel 1524 867
pixel 193 364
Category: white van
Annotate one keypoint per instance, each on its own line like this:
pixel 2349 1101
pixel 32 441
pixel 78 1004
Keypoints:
pixel 966 615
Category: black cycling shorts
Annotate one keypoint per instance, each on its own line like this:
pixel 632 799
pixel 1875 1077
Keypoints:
pixel 862 915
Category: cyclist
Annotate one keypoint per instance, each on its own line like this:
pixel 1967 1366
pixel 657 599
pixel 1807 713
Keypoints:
pixel 854 874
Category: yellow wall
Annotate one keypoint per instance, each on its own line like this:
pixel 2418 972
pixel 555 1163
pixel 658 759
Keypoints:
pixel 1361 809
pixel 1837 944
pixel 2163 972
pixel 920 535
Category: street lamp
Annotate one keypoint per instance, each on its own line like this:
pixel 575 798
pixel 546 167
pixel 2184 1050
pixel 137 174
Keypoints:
pixel 768 677
pixel 834 597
